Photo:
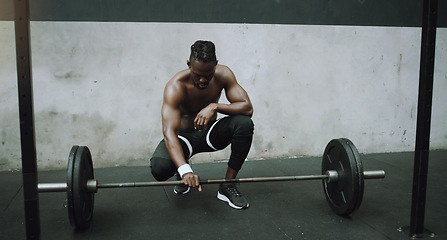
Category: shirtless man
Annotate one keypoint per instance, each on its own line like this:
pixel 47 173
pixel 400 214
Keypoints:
pixel 190 124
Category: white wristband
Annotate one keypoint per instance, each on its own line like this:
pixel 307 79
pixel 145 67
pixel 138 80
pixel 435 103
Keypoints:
pixel 185 168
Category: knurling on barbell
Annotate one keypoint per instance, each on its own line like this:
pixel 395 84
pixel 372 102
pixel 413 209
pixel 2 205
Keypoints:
pixel 342 175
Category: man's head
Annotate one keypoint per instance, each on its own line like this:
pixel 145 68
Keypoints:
pixel 202 63
pixel 203 51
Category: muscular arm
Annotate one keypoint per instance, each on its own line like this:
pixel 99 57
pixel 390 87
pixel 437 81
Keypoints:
pixel 171 119
pixel 171 125
pixel 240 103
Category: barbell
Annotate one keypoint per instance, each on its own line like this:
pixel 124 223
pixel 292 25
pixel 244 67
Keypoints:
pixel 342 175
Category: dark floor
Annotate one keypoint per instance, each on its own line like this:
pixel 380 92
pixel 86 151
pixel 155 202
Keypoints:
pixel 278 210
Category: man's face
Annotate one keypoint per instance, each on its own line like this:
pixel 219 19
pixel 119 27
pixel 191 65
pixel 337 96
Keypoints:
pixel 201 73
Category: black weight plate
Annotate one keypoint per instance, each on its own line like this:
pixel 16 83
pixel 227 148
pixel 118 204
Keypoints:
pixel 361 180
pixel 345 195
pixel 70 168
pixel 83 200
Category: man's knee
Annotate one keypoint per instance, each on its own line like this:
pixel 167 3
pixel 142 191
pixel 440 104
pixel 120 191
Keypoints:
pixel 162 169
pixel 243 125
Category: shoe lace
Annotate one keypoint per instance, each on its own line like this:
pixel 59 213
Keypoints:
pixel 233 190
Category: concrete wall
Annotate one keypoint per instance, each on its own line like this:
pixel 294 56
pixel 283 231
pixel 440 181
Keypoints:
pixel 100 84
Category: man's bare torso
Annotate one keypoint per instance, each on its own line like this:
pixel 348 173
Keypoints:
pixel 196 99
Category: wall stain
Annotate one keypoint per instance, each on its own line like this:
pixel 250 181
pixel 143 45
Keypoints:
pixel 71 76
pixel 399 64
pixel 57 131
pixel 3 162
pixel 10 150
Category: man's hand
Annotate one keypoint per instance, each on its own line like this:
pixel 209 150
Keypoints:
pixel 192 180
pixel 204 116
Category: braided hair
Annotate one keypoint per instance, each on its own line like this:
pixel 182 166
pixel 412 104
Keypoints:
pixel 203 51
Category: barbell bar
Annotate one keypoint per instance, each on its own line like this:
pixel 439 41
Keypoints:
pixel 93 185
pixel 342 175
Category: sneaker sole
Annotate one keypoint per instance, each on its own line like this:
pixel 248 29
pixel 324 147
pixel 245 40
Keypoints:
pixel 225 199
pixel 183 193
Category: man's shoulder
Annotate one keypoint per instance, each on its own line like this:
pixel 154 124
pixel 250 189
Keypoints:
pixel 181 76
pixel 224 73
pixel 179 79
pixel 222 68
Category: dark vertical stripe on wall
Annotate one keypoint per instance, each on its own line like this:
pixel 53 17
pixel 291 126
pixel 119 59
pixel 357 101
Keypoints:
pixel 405 13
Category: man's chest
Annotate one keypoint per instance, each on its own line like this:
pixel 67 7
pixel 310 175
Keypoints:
pixel 196 100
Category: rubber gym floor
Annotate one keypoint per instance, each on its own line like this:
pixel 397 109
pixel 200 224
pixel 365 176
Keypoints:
pixel 278 210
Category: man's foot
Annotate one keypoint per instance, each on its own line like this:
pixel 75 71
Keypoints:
pixel 181 188
pixel 232 196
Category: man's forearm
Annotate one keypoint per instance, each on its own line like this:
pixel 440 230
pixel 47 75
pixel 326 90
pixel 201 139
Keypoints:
pixel 236 108
pixel 175 151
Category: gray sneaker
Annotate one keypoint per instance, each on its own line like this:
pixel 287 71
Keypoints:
pixel 181 188
pixel 232 196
